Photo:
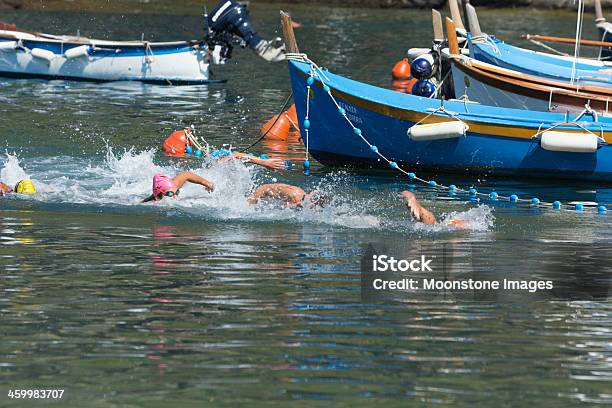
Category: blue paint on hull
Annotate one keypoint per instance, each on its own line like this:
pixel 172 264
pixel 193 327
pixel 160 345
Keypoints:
pixel 333 142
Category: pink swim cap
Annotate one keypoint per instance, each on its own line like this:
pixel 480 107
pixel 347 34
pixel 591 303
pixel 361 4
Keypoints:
pixel 162 183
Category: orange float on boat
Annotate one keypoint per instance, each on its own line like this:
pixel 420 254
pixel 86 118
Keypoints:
pixel 401 70
pixel 403 85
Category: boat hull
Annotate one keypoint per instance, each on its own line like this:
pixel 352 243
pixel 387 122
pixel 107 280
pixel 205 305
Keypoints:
pixel 489 85
pixel 556 67
pixel 490 147
pixel 175 63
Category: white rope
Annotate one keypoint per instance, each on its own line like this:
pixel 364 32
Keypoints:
pixel 549 48
pixel 579 21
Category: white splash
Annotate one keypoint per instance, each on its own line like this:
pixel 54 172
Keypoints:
pixel 124 179
pixel 12 172
pixel 479 218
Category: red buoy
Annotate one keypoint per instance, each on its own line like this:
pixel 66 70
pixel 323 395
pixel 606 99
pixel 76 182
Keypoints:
pixel 401 70
pixel 175 143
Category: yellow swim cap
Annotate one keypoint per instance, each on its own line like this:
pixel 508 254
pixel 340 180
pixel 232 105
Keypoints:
pixel 25 187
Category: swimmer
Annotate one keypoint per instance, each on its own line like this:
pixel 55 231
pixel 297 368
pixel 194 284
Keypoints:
pixel 22 187
pixel 292 196
pixel 272 164
pixel 422 214
pixel 164 186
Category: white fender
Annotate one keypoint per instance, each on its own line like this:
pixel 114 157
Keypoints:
pixel 43 54
pixel 77 52
pixel 438 131
pixel 569 142
pixel 417 52
pixel 8 45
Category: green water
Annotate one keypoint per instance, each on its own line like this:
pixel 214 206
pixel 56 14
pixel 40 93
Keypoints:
pixel 207 301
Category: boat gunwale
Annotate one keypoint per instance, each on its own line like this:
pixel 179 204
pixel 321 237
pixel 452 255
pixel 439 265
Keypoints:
pixel 480 118
pixel 8 35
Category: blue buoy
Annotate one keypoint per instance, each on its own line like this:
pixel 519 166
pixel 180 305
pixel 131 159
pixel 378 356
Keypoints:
pixel 264 156
pixel 306 124
pixel 198 153
pixel 514 198
pixel 579 207
pixel 433 183
pixel 424 88
pixel 310 81
pixel 306 164
pixel 557 205
pixel 374 149
pixel 326 89
pixel 342 111
pixel 535 201
pixel 357 131
pixel 393 164
pixel 411 176
pixel 472 191
pixel 452 189
pixel 493 195
pixel 602 209
pixel 188 149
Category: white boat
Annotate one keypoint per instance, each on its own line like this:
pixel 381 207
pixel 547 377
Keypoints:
pixel 35 55
pixel 25 54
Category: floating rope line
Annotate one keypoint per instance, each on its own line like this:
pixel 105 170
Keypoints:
pixel 452 189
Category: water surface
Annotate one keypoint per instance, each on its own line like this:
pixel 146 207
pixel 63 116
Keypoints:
pixel 209 300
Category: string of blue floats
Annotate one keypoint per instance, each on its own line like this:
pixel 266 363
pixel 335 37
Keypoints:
pixel 222 152
pixel 452 189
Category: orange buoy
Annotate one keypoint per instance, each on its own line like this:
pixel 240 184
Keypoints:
pixel 410 84
pixel 403 85
pixel 401 70
pixel 292 113
pixel 175 143
pixel 294 132
pixel 279 130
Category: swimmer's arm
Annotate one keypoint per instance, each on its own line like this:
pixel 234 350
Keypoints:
pixel 272 164
pixel 188 176
pixel 148 199
pixel 263 191
pixel 419 212
pixel 5 188
pixel 259 193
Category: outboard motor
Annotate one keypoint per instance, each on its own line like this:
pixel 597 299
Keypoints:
pixel 229 24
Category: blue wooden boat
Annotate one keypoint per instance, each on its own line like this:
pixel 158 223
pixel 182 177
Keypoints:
pixel 487 48
pixel 498 141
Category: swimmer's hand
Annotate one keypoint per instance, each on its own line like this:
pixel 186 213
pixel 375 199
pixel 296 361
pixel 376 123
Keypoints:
pixel 455 223
pixel 272 164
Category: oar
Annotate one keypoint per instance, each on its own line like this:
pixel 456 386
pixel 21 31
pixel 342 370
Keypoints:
pixel 563 40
